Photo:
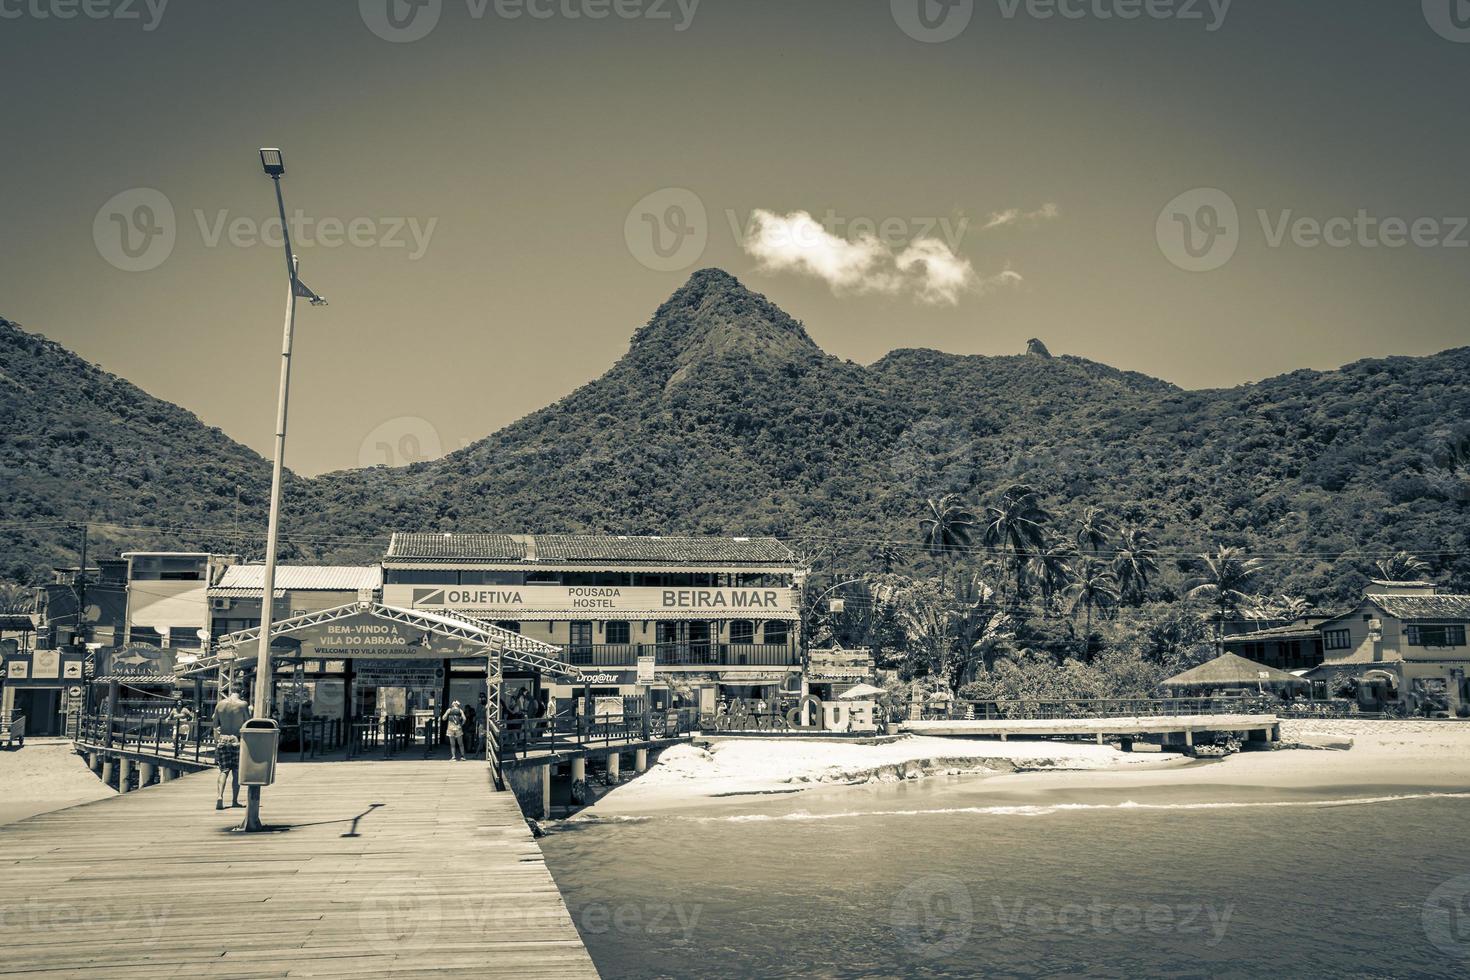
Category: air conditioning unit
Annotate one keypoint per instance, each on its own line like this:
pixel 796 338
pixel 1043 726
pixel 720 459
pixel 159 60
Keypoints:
pixel 219 605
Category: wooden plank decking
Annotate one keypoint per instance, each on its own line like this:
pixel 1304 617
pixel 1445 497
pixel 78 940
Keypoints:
pixel 387 869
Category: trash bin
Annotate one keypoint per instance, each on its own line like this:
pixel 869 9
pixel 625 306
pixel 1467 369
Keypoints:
pixel 260 738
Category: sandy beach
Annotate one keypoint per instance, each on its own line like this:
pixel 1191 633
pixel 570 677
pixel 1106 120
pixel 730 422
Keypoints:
pixel 1383 757
pixel 43 776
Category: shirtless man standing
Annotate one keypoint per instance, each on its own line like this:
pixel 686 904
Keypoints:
pixel 229 717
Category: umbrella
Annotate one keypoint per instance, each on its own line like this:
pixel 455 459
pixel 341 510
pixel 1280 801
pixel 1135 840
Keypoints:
pixel 860 691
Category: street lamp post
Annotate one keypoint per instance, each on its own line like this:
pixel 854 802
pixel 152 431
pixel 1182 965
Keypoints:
pixel 275 168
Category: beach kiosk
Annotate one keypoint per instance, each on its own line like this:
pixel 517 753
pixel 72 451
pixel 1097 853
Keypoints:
pixel 1234 674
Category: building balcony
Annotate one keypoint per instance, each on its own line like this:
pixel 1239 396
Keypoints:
pixel 681 654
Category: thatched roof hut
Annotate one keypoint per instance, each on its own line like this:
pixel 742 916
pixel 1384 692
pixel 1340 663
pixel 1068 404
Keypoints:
pixel 1232 671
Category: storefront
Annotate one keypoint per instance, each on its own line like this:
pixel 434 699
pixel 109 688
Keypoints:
pixel 683 621
pixel 44 686
pixel 832 672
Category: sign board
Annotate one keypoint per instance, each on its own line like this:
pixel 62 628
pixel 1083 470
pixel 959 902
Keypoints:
pixel 73 710
pixel 365 636
pixel 46 664
pixel 518 599
pixel 18 670
pixel 71 670
pixel 645 670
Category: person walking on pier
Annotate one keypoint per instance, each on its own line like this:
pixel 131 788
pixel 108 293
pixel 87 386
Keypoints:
pixel 182 719
pixel 469 727
pixel 229 717
pixel 454 720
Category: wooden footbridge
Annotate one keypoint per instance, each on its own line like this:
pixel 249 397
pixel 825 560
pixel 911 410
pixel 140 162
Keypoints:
pixel 1168 720
pixel 388 869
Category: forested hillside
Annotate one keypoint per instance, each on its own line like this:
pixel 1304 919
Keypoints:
pixel 725 417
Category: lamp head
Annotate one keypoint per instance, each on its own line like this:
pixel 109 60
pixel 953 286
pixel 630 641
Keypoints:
pixel 273 162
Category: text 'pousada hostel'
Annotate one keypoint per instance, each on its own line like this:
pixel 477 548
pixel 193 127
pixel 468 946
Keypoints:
pixel 696 619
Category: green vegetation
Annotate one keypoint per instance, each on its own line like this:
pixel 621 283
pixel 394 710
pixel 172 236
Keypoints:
pixel 724 417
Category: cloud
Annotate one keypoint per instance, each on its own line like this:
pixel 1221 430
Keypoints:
pixel 1015 216
pixel 925 268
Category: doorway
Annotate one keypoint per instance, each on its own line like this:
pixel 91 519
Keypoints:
pixel 42 709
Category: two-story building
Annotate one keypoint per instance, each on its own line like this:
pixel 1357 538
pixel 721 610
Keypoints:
pixel 703 618
pixel 1404 643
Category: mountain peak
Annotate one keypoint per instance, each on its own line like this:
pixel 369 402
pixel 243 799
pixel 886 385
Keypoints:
pixel 714 316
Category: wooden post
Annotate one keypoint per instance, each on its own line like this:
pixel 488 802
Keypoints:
pixel 107 768
pixel 640 760
pixel 614 767
pixel 1189 737
pixel 145 774
pixel 579 768
pixel 124 774
pixel 546 791
pixel 112 695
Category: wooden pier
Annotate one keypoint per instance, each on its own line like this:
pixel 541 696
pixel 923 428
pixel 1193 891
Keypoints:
pixel 401 869
pixel 1180 729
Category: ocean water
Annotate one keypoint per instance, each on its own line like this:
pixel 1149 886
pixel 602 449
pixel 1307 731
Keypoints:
pixel 941 879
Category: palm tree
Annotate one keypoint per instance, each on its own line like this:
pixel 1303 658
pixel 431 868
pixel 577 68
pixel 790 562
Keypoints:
pixel 945 528
pixel 16 599
pixel 1223 578
pixel 1017 523
pixel 1095 530
pixel 1051 568
pixel 1293 608
pixel 1403 567
pixel 1095 588
pixel 1135 563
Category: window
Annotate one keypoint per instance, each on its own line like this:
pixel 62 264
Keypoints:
pixel 1435 635
pixel 420 576
pixel 742 631
pixel 776 631
pixel 616 631
pixel 491 578
pixel 186 637
pixel 1337 639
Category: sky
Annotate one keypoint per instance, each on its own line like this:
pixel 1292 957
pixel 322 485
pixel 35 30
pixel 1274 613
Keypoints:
pixel 494 194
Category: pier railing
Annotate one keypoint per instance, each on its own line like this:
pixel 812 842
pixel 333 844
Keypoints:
pixel 521 737
pixel 1051 710
pixel 149 734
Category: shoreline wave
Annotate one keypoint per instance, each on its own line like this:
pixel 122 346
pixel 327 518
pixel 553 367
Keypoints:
pixel 1003 810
